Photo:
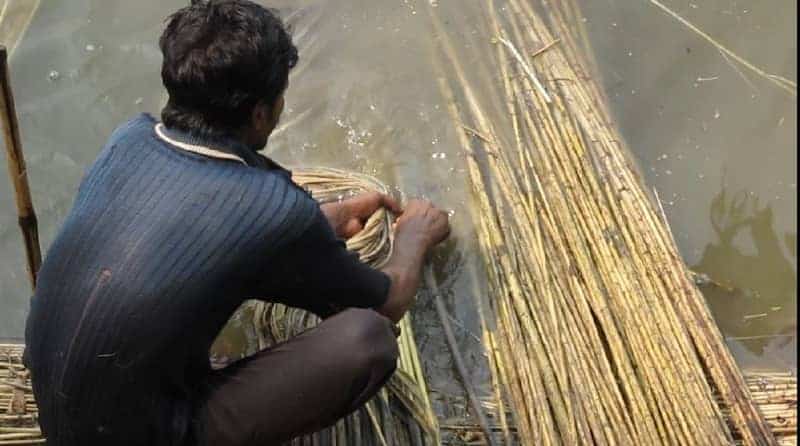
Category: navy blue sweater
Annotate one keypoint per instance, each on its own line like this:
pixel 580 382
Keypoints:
pixel 160 248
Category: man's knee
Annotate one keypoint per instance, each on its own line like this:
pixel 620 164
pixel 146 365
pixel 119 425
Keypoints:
pixel 370 343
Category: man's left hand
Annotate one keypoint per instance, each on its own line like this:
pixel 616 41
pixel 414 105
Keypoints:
pixel 349 216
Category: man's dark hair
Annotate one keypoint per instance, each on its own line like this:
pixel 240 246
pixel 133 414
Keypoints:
pixel 222 57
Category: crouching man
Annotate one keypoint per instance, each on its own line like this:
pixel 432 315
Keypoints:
pixel 175 224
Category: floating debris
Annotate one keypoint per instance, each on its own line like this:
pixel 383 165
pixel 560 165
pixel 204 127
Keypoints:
pixel 706 79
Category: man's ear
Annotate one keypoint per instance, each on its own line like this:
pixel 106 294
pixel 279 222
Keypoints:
pixel 265 116
pixel 276 110
pixel 261 117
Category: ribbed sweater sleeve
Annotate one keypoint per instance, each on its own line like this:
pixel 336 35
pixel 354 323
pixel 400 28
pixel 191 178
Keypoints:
pixel 316 272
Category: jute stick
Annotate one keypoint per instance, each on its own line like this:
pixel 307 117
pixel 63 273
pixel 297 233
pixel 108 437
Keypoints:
pixel 430 281
pixel 17 171
pixel 593 330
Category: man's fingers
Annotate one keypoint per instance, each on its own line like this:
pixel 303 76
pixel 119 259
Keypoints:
pixel 415 205
pixel 391 204
pixel 367 204
pixel 352 227
pixel 443 220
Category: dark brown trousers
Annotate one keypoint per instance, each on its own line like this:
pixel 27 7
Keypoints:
pixel 302 385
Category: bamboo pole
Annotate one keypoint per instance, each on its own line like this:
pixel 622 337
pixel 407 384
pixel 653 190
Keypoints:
pixel 17 171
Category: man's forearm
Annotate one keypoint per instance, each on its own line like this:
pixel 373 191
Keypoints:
pixel 405 271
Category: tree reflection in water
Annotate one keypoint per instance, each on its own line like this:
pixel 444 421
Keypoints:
pixel 756 266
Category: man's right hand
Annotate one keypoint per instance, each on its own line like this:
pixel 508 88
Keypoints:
pixel 419 228
pixel 421 225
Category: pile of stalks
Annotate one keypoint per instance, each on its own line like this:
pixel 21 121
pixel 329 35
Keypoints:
pixel 775 394
pixel 18 413
pixel 595 332
pixel 401 413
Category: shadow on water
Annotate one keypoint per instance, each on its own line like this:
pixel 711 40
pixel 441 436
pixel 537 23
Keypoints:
pixel 753 300
pixel 695 121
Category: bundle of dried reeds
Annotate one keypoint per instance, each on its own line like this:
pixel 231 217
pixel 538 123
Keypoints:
pixel 775 394
pixel 595 330
pixel 401 414
pixel 18 412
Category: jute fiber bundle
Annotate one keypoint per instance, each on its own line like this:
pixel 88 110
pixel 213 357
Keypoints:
pixel 400 414
pixel 595 332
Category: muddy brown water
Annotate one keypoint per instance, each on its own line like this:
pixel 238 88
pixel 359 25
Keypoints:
pixel 719 144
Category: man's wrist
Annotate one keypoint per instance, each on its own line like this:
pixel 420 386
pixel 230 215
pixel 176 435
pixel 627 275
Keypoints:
pixel 411 250
pixel 334 213
pixel 405 278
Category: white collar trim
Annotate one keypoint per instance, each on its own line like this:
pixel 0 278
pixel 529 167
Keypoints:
pixel 200 150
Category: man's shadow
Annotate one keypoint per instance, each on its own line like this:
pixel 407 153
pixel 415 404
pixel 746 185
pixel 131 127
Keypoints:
pixel 757 298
